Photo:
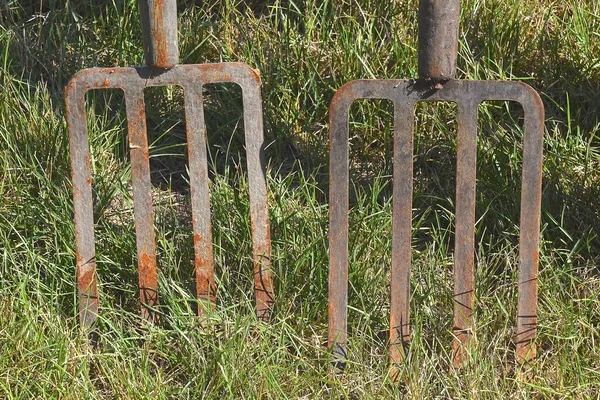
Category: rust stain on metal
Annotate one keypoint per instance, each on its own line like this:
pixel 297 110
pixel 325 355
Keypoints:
pixel 255 75
pixel 85 279
pixel 148 270
pixel 192 78
pixel 438 39
pixel 205 275
pixel 159 34
pixel 405 94
pixel 263 286
pixel 148 281
pixel 159 28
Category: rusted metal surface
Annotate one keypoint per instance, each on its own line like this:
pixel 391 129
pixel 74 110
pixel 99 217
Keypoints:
pixel 142 203
pixel 405 94
pixel 83 207
pixel 133 81
pixel 438 38
pixel 438 47
pixel 159 25
pixel 464 242
pixel 159 29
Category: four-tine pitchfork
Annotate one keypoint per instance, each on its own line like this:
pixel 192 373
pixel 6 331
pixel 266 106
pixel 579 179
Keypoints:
pixel 438 46
pixel 159 23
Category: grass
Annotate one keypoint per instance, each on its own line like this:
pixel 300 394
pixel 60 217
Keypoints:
pixel 305 50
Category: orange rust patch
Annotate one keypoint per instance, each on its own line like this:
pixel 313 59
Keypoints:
pixel 197 239
pixel 85 278
pixel 255 75
pixel 70 86
pixel 147 271
pixel 144 260
pixel 536 257
pixel 205 276
pixel 203 265
pixel 158 34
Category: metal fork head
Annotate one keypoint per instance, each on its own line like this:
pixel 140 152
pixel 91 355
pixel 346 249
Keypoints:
pixel 133 81
pixel 405 94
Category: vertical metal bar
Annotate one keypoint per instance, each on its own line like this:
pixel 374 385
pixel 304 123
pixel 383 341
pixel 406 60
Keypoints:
pixel 259 208
pixel 82 203
pixel 464 250
pixel 338 230
pixel 159 29
pixel 531 194
pixel 439 22
pixel 401 232
pixel 142 203
pixel 200 198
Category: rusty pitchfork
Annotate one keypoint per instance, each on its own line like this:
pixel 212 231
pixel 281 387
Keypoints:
pixel 438 46
pixel 159 23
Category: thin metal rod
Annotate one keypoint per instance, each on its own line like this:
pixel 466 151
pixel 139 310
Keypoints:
pixel 338 227
pixel 259 207
pixel 142 203
pixel 200 198
pixel 159 29
pixel 82 204
pixel 439 22
pixel 401 233
pixel 531 197
pixel 464 246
